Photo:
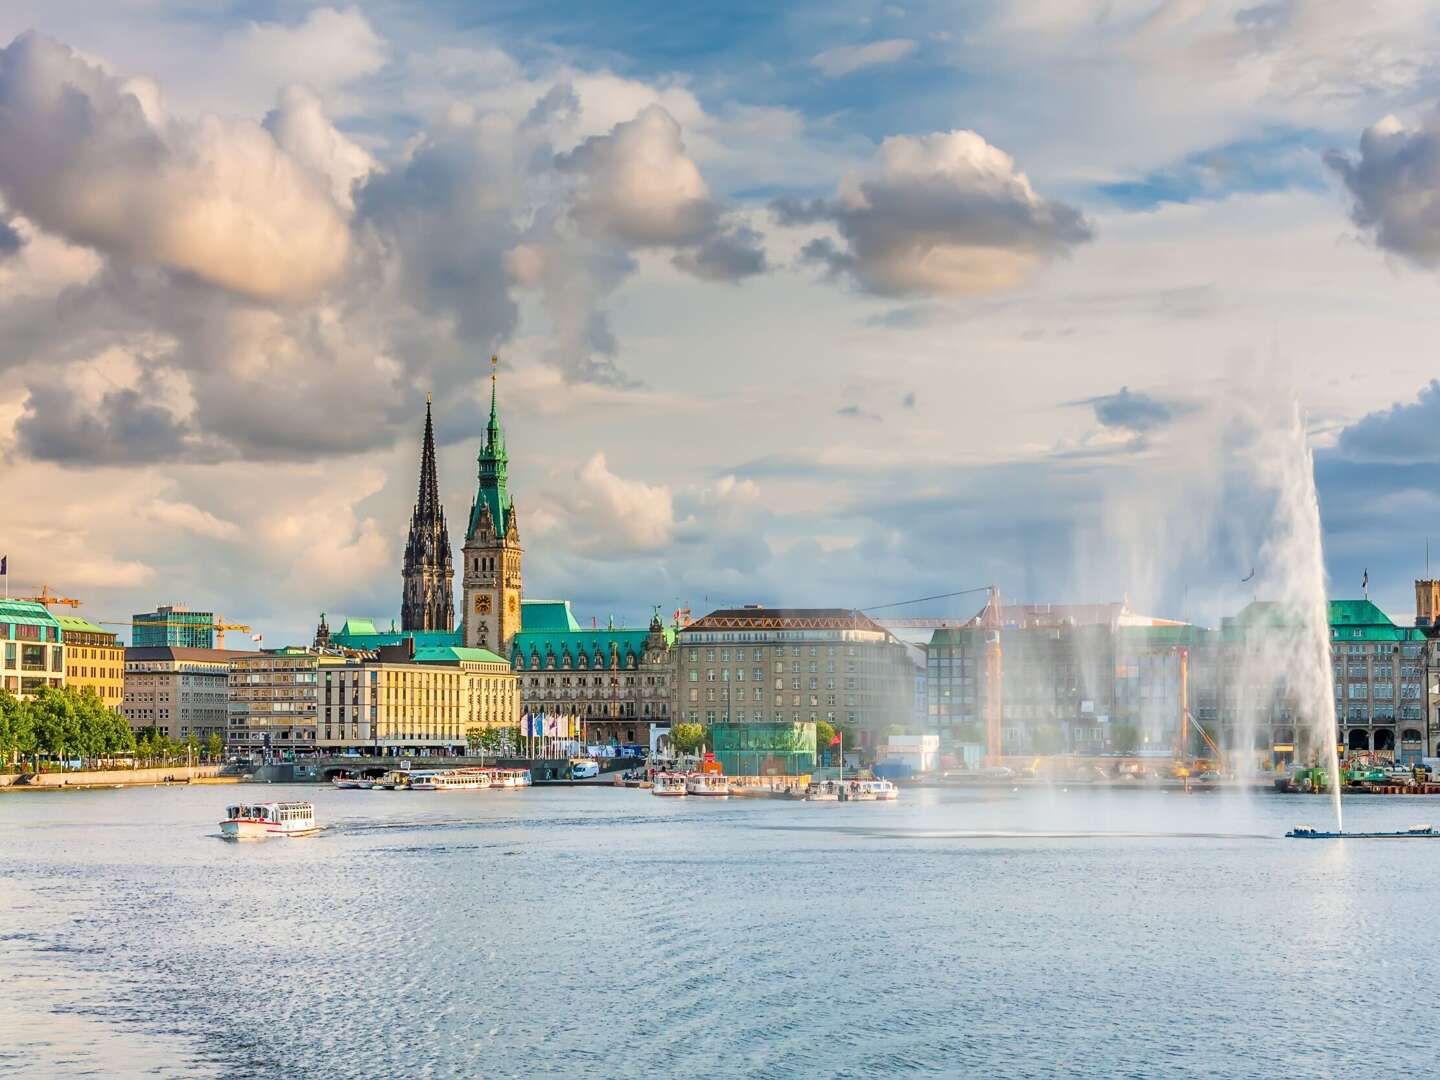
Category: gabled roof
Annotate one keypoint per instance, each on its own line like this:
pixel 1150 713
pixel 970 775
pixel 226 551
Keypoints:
pixel 574 642
pixel 81 625
pixel 452 654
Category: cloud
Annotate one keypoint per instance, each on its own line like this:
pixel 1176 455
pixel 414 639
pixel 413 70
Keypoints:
pixel 727 255
pixel 848 59
pixel 1403 434
pixel 330 47
pixel 1395 183
pixel 941 214
pixel 94 159
pixel 127 427
pixel 10 239
pixel 301 128
pixel 614 511
pixel 1132 411
pixel 180 515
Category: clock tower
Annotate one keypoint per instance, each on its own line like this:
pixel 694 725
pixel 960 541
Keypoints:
pixel 491 572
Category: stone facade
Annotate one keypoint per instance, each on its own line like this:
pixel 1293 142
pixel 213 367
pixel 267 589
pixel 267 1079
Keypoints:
pixel 491 571
pixel 428 601
pixel 94 660
pixel 179 691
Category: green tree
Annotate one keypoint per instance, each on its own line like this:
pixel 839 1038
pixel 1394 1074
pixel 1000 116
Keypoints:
pixel 688 738
pixel 1048 739
pixel 824 732
pixel 56 720
pixel 1124 738
pixel 214 747
pixel 10 721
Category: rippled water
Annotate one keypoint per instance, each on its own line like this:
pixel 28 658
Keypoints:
pixel 610 933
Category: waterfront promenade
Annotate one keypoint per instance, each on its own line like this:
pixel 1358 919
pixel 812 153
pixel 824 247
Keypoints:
pixel 110 778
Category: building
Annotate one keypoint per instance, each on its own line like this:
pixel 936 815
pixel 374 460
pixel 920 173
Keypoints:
pixel 33 648
pixel 491 559
pixel 428 599
pixel 274 699
pixel 617 682
pixel 173 625
pixel 408 701
pixel 94 660
pixel 1381 674
pixel 762 678
pixel 178 691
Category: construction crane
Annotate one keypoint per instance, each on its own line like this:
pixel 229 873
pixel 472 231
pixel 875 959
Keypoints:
pixel 218 626
pixel 47 598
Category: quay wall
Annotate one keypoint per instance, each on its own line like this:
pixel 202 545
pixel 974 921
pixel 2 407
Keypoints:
pixel 170 774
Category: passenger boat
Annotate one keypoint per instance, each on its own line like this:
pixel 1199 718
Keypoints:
pixel 462 780
pixel 344 782
pixel 669 784
pixel 1415 832
pixel 423 780
pixel 870 791
pixel 823 791
pixel 509 779
pixel 395 779
pixel 714 785
pixel 257 821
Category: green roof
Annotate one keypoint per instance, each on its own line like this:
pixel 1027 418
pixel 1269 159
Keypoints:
pixel 560 642
pixel 451 654
pixel 361 634
pixel 550 615
pixel 81 625
pixel 26 613
pixel 1360 620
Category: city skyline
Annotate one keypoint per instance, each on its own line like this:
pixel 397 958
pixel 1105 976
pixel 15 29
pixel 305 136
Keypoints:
pixel 828 306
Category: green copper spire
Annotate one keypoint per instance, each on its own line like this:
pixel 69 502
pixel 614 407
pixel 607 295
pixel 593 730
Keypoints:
pixel 491 491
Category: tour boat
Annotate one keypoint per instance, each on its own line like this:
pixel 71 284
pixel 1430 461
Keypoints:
pixel 423 780
pixel 870 791
pixel 268 819
pixel 345 783
pixel 712 784
pixel 823 791
pixel 510 779
pixel 462 780
pixel 669 784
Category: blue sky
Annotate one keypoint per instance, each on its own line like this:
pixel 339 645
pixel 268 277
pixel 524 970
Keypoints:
pixel 812 303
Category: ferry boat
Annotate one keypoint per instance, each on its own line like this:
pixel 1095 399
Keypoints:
pixel 669 784
pixel 423 780
pixel 714 785
pixel 823 791
pixel 871 791
pixel 509 779
pixel 462 780
pixel 344 782
pixel 257 821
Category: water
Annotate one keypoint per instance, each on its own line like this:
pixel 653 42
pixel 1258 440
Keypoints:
pixel 610 933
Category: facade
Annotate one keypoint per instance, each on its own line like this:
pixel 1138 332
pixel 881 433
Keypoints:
pixel 782 670
pixel 491 556
pixel 617 682
pixel 94 660
pixel 1381 675
pixel 179 692
pixel 422 702
pixel 32 648
pixel 274 699
pixel 174 626
pixel 428 600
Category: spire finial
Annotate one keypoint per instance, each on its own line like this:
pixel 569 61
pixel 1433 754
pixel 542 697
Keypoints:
pixel 427 399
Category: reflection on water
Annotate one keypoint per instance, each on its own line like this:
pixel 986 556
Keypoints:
pixel 1090 933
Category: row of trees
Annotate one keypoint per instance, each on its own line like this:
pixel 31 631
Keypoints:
pixel 65 725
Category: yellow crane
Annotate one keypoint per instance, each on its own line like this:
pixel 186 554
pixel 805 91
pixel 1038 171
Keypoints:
pixel 219 626
pixel 47 598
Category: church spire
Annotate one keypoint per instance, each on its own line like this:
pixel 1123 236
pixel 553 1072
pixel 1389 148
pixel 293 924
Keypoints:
pixel 428 601
pixel 492 467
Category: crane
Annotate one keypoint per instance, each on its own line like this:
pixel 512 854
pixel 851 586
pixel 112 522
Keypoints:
pixel 218 626
pixel 47 598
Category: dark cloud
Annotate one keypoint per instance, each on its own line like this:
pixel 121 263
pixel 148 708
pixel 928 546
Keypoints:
pixel 728 255
pixel 1395 183
pixel 1131 411
pixel 1405 433
pixel 942 214
pixel 123 429
pixel 10 239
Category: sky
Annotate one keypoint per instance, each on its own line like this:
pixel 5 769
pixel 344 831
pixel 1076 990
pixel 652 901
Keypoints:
pixel 812 304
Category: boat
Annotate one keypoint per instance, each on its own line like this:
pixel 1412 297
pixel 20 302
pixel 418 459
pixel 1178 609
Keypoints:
pixel 823 791
pixel 345 782
pixel 365 783
pixel 873 790
pixel 711 785
pixel 669 785
pixel 462 780
pixel 423 780
pixel 1414 832
pixel 509 779
pixel 259 820
pixel 395 779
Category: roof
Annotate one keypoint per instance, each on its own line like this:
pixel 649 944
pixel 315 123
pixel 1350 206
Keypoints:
pixel 361 634
pixel 547 615
pixel 26 613
pixel 762 618
pixel 574 642
pixel 181 652
pixel 78 625
pixel 1360 620
pixel 451 654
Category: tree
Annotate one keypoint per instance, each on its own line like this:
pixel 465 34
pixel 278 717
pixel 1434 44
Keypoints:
pixel 214 747
pixel 824 732
pixel 56 719
pixel 1124 738
pixel 475 739
pixel 688 738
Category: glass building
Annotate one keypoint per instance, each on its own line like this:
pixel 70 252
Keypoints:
pixel 176 627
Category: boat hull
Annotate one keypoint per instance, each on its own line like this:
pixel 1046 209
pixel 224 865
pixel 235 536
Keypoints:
pixel 260 830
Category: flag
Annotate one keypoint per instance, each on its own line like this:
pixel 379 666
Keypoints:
pixel 835 739
pixel 4 565
pixel 257 637
pixel 1365 579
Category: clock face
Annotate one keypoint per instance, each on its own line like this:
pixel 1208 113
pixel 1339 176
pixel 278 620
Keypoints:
pixel 482 604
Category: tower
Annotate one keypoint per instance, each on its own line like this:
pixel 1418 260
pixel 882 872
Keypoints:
pixel 491 570
pixel 428 602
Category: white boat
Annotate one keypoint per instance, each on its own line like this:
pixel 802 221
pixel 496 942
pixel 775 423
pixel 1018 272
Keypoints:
pixel 423 780
pixel 462 780
pixel 869 791
pixel 668 784
pixel 345 783
pixel 510 779
pixel 365 784
pixel 259 820
pixel 823 791
pixel 714 785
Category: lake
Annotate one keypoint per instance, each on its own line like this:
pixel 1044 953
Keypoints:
pixel 605 932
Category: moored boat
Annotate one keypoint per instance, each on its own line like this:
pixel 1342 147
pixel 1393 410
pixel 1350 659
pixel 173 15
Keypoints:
pixel 823 791
pixel 345 782
pixel 709 785
pixel 509 779
pixel 871 791
pixel 669 785
pixel 462 780
pixel 259 820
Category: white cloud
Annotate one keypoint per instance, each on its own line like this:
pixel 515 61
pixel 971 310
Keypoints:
pixel 217 199
pixel 328 48
pixel 1395 183
pixel 181 515
pixel 301 128
pixel 613 511
pixel 848 59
